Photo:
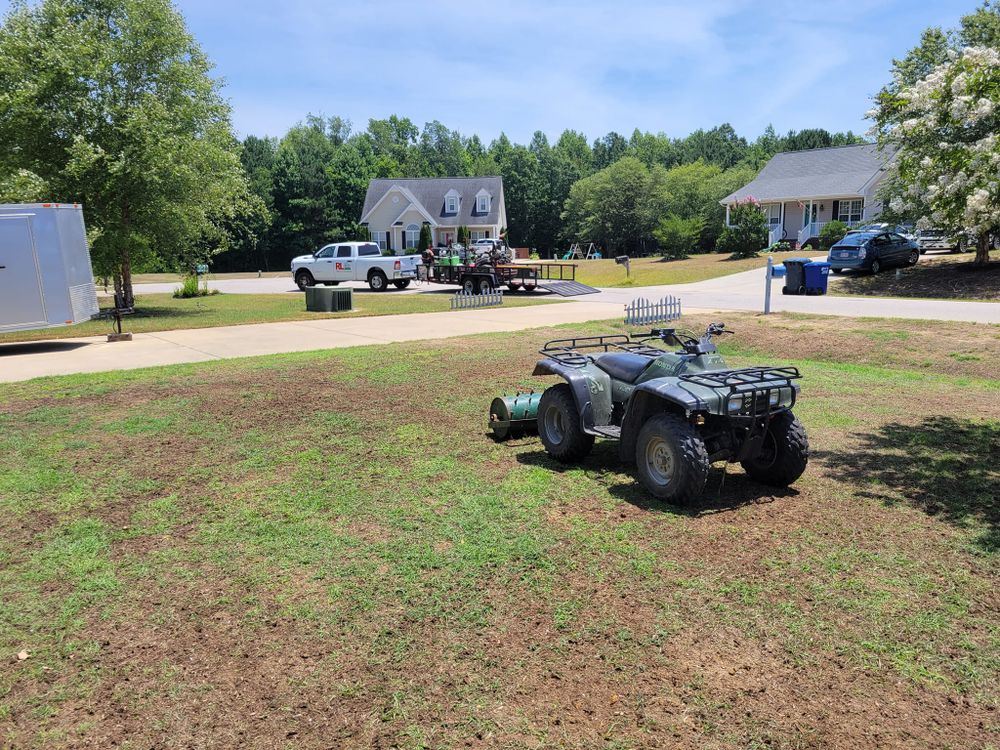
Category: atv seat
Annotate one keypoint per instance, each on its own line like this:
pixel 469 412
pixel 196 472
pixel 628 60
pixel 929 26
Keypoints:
pixel 622 365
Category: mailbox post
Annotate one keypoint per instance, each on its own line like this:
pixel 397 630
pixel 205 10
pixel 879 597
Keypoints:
pixel 623 260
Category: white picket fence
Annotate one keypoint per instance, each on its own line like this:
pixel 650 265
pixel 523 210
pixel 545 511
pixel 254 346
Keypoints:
pixel 465 301
pixel 640 312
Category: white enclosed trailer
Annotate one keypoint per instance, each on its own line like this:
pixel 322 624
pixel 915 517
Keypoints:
pixel 45 275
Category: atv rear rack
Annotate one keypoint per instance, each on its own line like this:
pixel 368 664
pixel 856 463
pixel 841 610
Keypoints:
pixel 567 351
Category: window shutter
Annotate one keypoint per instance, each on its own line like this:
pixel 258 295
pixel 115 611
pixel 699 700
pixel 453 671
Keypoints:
pixel 836 210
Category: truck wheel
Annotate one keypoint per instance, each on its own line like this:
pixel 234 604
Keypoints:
pixel 671 459
pixel 401 284
pixel 784 453
pixel 377 281
pixel 304 279
pixel 559 425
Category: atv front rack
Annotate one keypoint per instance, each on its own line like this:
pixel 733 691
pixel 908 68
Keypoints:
pixel 750 388
pixel 568 351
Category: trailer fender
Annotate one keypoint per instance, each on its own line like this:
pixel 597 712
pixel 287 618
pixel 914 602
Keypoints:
pixel 591 391
pixel 649 399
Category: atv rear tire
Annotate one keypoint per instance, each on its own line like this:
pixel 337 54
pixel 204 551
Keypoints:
pixel 671 459
pixel 559 425
pixel 784 454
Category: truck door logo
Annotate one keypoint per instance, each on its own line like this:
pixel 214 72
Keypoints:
pixel 343 267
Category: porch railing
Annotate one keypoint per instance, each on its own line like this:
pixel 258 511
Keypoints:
pixel 814 228
pixel 775 233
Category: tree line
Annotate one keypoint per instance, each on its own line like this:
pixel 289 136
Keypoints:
pixel 614 190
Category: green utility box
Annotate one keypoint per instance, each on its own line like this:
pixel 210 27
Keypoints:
pixel 328 299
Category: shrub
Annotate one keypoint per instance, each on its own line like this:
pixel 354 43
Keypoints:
pixel 535 256
pixel 780 246
pixel 677 236
pixel 747 234
pixel 426 239
pixel 831 233
pixel 190 287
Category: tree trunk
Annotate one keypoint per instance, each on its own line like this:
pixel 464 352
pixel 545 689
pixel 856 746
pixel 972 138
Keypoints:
pixel 125 269
pixel 982 250
pixel 125 259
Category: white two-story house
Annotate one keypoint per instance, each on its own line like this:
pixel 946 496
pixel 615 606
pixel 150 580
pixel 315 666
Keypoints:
pixel 395 209
pixel 803 190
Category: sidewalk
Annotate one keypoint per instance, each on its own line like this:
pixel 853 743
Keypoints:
pixel 27 360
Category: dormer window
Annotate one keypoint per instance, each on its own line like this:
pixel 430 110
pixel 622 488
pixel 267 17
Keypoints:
pixel 483 203
pixel 452 200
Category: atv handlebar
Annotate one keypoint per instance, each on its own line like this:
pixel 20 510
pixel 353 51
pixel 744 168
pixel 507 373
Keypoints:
pixel 687 339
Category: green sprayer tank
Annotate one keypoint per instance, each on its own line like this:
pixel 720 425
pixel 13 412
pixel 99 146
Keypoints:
pixel 514 416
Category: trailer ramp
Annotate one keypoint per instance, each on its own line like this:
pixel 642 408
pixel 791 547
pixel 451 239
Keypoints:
pixel 567 288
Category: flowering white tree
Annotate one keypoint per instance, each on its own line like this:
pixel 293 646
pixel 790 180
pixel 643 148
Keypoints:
pixel 946 129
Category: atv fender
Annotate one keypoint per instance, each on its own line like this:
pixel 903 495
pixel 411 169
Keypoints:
pixel 649 399
pixel 591 391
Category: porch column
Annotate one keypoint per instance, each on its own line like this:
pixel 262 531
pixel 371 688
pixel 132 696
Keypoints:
pixel 781 214
pixel 727 214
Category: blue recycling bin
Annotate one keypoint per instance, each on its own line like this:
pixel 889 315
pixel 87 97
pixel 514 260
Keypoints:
pixel 817 274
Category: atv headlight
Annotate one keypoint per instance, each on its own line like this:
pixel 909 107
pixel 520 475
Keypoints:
pixel 774 397
pixel 735 404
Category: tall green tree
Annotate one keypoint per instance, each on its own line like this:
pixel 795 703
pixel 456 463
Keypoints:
pixel 618 206
pixel 112 103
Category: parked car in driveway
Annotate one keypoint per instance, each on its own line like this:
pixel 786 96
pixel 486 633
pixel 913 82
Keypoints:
pixel 904 230
pixel 938 239
pixel 354 261
pixel 872 251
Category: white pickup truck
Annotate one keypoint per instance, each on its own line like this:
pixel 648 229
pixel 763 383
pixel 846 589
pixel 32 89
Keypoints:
pixel 354 261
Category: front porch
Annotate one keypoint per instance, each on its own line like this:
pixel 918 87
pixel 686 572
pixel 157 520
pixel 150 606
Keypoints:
pixel 800 221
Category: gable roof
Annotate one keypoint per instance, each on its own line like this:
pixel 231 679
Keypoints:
pixel 428 193
pixel 816 173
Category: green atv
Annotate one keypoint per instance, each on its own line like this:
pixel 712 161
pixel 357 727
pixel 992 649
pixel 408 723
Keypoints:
pixel 673 412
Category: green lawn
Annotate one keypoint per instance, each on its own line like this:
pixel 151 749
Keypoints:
pixel 161 312
pixel 327 550
pixel 653 271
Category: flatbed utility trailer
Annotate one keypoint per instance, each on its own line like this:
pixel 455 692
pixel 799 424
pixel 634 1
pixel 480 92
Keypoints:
pixel 479 279
pixel 45 275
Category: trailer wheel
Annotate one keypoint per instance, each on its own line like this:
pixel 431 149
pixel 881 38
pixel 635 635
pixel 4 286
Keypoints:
pixel 401 284
pixel 377 281
pixel 303 279
pixel 514 286
pixel 529 288
pixel 469 286
pixel 485 286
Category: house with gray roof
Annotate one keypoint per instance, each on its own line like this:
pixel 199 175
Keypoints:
pixel 395 209
pixel 800 191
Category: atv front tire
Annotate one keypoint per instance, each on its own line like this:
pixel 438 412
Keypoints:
pixel 559 425
pixel 671 459
pixel 783 455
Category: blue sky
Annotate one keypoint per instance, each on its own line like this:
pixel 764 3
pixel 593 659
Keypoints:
pixel 524 65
